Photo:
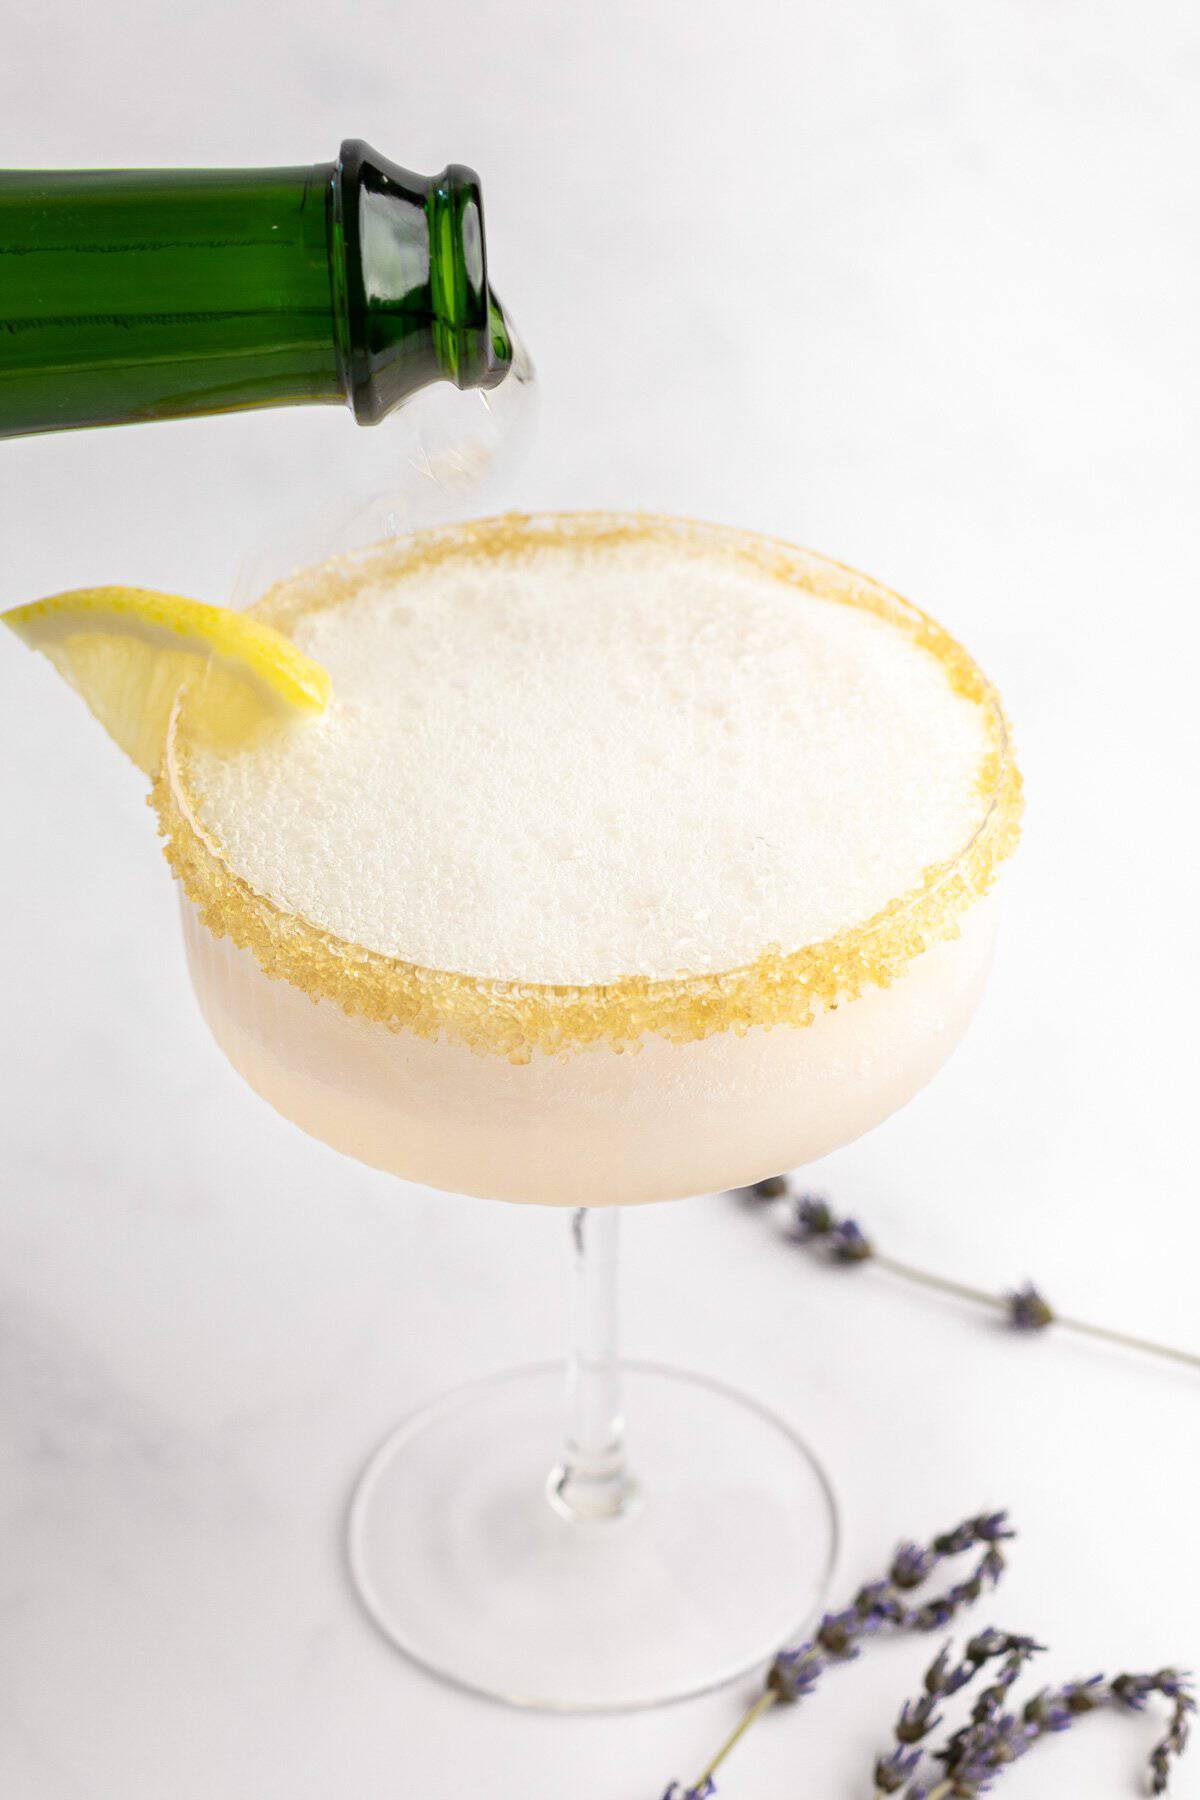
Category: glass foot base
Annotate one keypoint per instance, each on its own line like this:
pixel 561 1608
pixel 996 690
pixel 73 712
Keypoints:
pixel 464 1563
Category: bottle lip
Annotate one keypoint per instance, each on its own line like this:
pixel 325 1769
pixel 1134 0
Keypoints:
pixel 456 331
pixel 470 329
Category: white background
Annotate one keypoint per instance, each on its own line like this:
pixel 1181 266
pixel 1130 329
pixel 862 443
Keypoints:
pixel 913 281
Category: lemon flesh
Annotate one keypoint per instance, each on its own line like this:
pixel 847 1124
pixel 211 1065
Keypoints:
pixel 129 652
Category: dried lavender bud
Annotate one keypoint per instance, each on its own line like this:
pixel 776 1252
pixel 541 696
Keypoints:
pixel 1027 1311
pixel 932 1616
pixel 891 1772
pixel 1134 1690
pixel 1175 1685
pixel 1047 1712
pixel 917 1719
pixel 811 1218
pixel 953 1543
pixel 912 1565
pixel 1083 1696
pixel 943 1679
pixel 707 1786
pixel 985 1644
pixel 773 1188
pixel 876 1596
pixel 991 1568
pixel 849 1244
pixel 794 1673
pixel 839 1632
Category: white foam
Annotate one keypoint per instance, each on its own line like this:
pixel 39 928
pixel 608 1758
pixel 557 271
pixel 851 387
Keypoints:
pixel 583 765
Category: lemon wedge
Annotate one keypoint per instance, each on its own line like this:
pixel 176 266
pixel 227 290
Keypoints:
pixel 129 651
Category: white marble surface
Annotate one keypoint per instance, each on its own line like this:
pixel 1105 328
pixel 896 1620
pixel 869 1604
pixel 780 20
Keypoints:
pixel 913 281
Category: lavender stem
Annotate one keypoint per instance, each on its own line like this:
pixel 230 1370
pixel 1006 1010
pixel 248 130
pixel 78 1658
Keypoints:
pixel 766 1699
pixel 963 1290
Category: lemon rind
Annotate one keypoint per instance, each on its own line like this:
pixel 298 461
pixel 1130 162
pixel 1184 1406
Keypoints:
pixel 250 648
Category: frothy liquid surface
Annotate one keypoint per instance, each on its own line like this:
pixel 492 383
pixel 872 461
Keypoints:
pixel 585 761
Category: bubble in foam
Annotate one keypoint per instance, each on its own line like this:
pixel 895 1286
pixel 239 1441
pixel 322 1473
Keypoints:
pixel 593 760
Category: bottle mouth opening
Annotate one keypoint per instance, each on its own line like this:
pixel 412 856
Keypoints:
pixel 472 336
pixel 413 301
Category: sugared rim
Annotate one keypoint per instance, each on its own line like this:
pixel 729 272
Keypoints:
pixel 514 1018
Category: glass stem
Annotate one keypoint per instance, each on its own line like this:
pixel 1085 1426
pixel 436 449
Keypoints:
pixel 592 1481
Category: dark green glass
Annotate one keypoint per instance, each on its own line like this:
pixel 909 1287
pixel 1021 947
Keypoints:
pixel 138 294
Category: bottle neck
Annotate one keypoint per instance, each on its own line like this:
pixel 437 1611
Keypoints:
pixel 411 290
pixel 133 295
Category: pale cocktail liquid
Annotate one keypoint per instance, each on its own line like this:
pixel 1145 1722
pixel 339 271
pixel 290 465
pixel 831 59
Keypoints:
pixel 631 859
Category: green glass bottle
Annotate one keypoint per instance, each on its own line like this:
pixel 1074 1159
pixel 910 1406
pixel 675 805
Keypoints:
pixel 136 294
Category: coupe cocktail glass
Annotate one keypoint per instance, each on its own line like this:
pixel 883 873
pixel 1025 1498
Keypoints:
pixel 513 1537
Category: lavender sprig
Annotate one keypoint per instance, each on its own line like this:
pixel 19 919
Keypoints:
pixel 996 1738
pixel 840 1636
pixel 843 1242
pixel 880 1605
pixel 918 1718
